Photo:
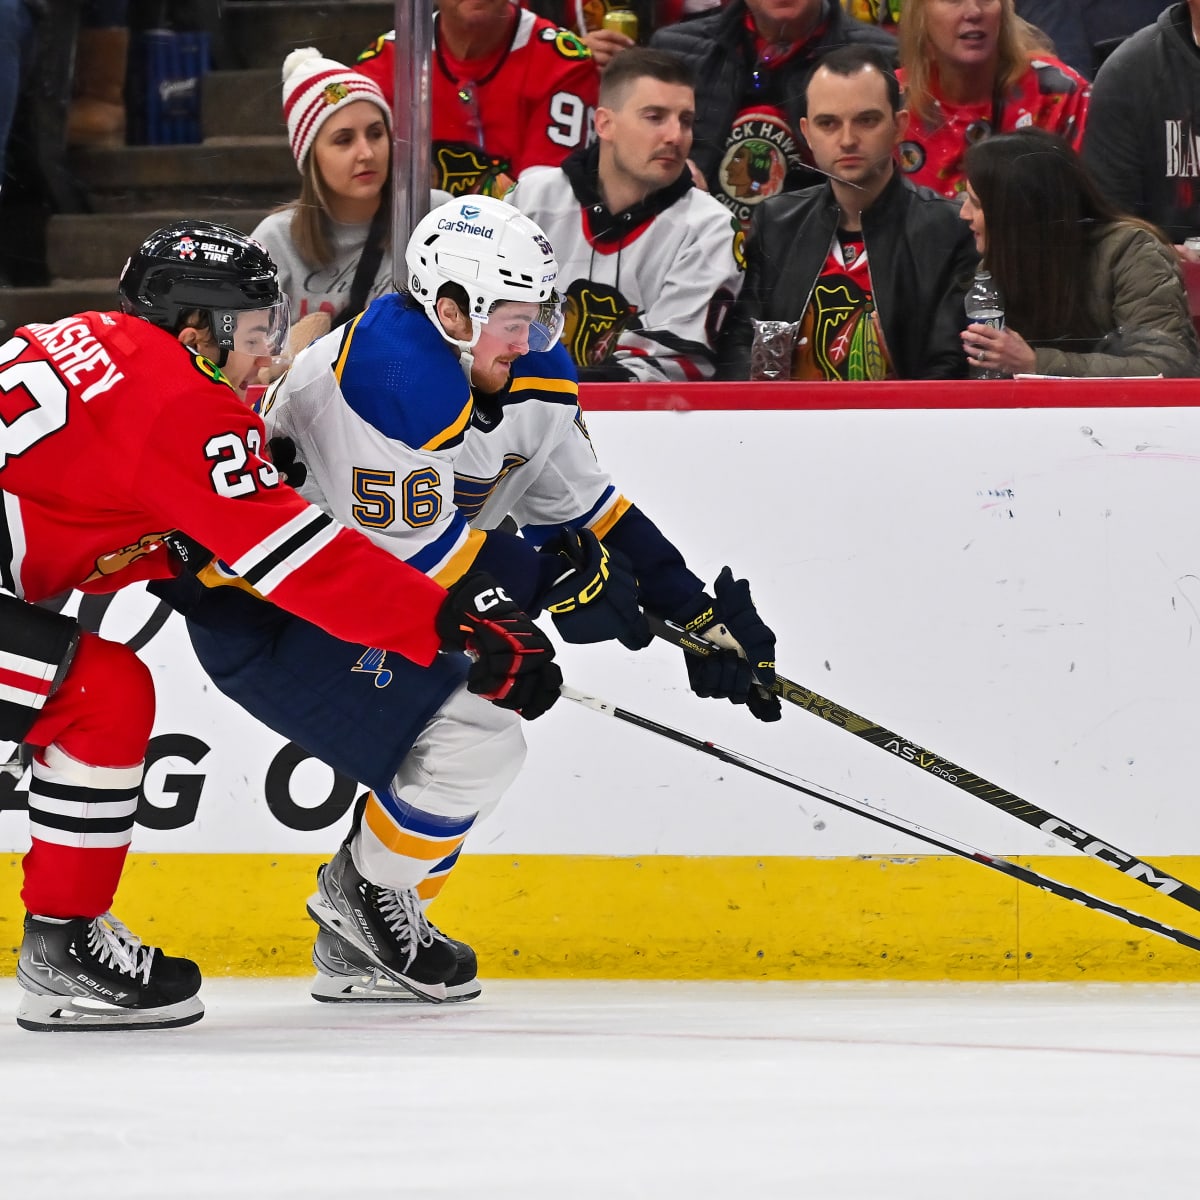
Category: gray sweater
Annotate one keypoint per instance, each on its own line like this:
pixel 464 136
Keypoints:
pixel 326 288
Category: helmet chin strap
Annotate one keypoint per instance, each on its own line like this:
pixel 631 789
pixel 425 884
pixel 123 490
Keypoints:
pixel 466 356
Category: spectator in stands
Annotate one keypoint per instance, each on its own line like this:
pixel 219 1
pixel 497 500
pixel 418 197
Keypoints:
pixel 752 60
pixel 862 276
pixel 509 90
pixel 649 263
pixel 97 113
pixel 16 46
pixel 1087 289
pixel 1083 31
pixel 972 68
pixel 1143 147
pixel 329 245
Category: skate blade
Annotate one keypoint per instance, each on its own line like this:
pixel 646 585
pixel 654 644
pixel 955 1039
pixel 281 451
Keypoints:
pixel 368 989
pixel 329 918
pixel 71 1014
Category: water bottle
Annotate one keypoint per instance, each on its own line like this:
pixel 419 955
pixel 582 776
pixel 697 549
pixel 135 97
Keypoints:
pixel 984 306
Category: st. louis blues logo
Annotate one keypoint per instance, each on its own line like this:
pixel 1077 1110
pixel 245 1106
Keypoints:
pixel 372 664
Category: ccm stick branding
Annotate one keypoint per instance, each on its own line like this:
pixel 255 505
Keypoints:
pixel 1086 842
pixel 1078 838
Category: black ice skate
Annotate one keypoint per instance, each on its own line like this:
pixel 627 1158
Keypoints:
pixel 388 928
pixel 345 975
pixel 94 974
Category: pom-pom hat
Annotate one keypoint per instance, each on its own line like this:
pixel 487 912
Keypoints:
pixel 314 88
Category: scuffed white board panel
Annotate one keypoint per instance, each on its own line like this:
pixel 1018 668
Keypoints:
pixel 1017 590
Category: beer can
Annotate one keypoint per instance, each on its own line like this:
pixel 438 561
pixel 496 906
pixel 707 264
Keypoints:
pixel 623 21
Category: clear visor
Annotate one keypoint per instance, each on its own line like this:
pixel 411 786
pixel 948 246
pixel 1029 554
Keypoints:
pixel 525 327
pixel 260 332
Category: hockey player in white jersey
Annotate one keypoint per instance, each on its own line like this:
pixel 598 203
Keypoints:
pixel 424 423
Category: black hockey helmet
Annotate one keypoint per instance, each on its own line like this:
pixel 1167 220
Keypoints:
pixel 200 265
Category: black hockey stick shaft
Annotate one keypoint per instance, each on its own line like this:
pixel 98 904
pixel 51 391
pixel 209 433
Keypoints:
pixel 1011 869
pixel 942 768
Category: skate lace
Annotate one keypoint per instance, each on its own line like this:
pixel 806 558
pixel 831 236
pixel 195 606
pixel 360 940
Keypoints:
pixel 114 946
pixel 405 918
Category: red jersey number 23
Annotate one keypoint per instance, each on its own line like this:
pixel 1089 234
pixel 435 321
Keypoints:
pixel 232 474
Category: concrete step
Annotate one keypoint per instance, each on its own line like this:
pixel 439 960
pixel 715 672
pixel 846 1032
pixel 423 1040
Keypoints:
pixel 96 245
pixel 264 32
pixel 245 103
pixel 221 173
pixel 20 306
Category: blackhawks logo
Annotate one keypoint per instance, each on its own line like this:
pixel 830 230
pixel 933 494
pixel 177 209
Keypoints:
pixel 464 170
pixel 334 93
pixel 594 317
pixel 760 152
pixel 569 45
pixel 739 246
pixel 209 369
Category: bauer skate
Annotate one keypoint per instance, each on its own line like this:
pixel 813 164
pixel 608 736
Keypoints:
pixel 387 928
pixel 83 974
pixel 346 976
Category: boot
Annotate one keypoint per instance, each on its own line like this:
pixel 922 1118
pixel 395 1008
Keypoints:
pixel 95 974
pixel 346 975
pixel 388 928
pixel 97 113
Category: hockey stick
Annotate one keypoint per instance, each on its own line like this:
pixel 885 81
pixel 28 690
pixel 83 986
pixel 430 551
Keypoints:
pixel 899 824
pixel 967 781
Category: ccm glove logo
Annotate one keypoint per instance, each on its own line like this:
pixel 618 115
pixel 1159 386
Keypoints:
pixel 585 593
pixel 489 598
pixel 512 659
pixel 596 599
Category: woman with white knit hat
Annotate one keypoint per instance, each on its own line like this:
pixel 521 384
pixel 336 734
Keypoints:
pixel 330 245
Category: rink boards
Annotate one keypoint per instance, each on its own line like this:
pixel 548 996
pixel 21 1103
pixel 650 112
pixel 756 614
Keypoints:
pixel 1016 589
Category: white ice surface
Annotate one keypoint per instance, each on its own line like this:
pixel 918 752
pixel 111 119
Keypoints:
pixel 571 1090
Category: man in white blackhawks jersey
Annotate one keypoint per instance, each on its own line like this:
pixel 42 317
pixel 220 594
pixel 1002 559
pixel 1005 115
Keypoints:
pixel 117 431
pixel 427 421
pixel 649 263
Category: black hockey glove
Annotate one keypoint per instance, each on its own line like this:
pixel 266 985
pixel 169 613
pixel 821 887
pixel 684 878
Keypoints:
pixel 743 670
pixel 283 454
pixel 512 664
pixel 595 597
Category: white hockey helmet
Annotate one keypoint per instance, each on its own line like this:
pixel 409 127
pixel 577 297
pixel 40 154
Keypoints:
pixel 496 254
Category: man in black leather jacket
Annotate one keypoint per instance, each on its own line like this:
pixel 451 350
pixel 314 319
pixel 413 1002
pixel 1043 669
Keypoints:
pixel 870 269
pixel 752 60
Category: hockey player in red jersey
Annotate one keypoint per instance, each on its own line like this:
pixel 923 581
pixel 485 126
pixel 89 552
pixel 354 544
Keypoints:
pixel 509 90
pixel 120 432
